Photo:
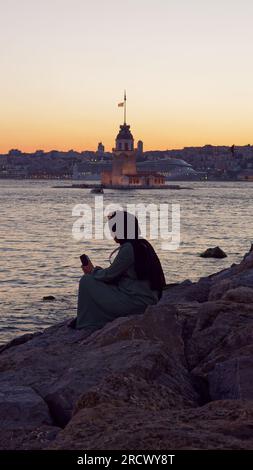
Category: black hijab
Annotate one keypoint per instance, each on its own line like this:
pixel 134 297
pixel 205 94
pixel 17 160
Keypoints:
pixel 147 264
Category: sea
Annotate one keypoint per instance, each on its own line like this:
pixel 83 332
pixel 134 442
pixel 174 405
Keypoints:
pixel 39 250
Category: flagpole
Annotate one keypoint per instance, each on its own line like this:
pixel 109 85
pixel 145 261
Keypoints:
pixel 125 107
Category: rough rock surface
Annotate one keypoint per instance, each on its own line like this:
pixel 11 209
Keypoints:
pixel 217 425
pixel 22 407
pixel 215 252
pixel 232 379
pixel 179 376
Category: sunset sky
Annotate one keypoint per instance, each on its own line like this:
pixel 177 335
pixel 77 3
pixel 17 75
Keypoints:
pixel 186 65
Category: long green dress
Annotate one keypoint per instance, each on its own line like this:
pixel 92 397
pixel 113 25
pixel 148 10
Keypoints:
pixel 106 294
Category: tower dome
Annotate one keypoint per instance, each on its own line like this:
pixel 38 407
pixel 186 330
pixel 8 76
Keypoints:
pixel 124 139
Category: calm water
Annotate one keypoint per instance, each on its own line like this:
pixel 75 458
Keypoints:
pixel 40 257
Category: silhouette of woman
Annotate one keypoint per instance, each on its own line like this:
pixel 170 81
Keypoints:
pixel 133 281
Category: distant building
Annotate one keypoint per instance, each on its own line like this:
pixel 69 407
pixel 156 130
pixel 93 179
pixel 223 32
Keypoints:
pixel 14 152
pixel 38 153
pixel 124 172
pixel 139 147
pixel 100 150
pixel 18 172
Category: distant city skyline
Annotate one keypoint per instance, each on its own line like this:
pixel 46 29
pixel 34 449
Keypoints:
pixel 16 151
pixel 186 65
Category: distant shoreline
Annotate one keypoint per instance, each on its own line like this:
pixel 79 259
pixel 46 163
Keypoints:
pixel 224 180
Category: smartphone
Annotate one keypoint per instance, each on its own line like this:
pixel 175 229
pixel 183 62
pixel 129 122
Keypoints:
pixel 84 260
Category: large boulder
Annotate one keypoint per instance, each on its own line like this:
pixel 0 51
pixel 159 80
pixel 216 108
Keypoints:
pixel 221 331
pixel 241 279
pixel 62 364
pixel 26 422
pixel 121 426
pixel 143 381
pixel 187 291
pixel 238 275
pixel 221 328
pixel 240 295
pixel 21 407
pixel 232 379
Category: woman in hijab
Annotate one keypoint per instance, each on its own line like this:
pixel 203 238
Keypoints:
pixel 133 281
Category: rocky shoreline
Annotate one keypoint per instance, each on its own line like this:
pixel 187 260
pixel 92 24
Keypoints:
pixel 178 377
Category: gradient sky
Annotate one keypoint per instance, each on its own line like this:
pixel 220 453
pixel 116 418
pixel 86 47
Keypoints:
pixel 186 64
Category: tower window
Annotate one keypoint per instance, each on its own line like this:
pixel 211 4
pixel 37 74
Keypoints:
pixel 126 146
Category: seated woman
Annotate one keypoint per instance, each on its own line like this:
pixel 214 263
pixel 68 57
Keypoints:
pixel 133 281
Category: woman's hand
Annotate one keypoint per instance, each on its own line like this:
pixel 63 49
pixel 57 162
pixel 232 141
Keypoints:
pixel 88 269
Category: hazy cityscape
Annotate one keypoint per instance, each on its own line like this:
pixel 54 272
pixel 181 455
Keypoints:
pixel 200 163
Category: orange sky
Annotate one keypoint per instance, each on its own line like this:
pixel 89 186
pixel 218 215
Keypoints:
pixel 186 66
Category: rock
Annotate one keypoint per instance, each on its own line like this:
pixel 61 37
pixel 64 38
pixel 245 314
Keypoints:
pixel 28 439
pixel 222 330
pixel 232 379
pixel 21 407
pixel 120 426
pixel 48 298
pixel 216 252
pixel 239 294
pixel 218 289
pixel 62 364
pixel 186 292
pixel 19 340
pixel 131 390
pixel 240 279
pixel 178 376
pixel 228 273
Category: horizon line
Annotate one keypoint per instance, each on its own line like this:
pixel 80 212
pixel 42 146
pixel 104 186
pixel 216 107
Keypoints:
pixel 110 151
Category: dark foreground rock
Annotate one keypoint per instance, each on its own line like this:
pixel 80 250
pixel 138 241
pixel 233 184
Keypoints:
pixel 218 425
pixel 179 376
pixel 22 407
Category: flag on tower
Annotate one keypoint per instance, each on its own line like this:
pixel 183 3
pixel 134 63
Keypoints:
pixel 120 105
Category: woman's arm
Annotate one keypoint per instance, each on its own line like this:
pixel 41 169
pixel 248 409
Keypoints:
pixel 123 260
